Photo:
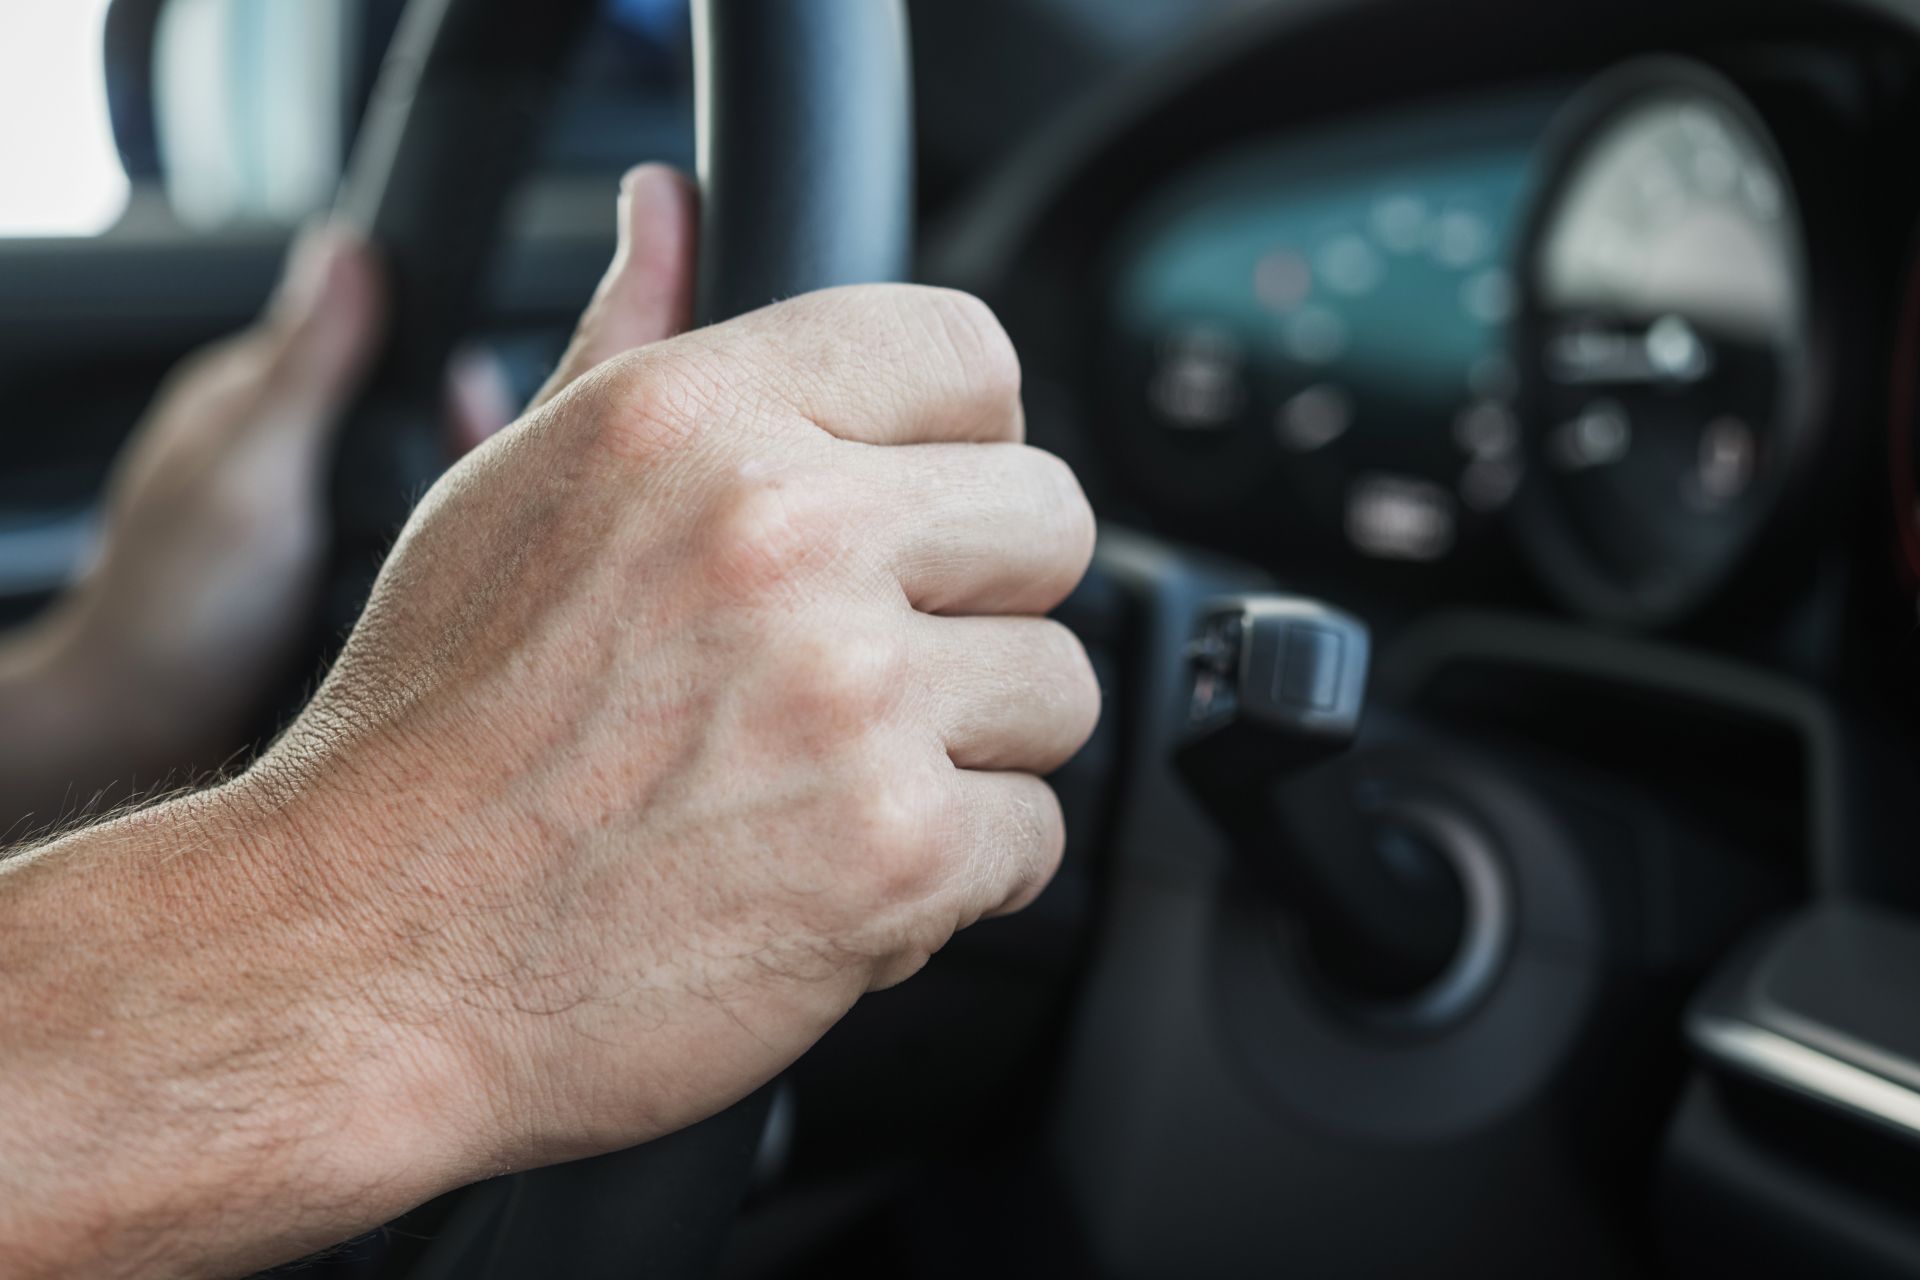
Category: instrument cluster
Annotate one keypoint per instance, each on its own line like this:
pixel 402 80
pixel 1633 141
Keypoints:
pixel 1308 340
pixel 1562 344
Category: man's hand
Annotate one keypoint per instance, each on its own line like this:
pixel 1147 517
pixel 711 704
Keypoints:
pixel 159 657
pixel 708 697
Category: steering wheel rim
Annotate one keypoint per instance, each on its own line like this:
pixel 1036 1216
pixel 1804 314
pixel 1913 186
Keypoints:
pixel 803 123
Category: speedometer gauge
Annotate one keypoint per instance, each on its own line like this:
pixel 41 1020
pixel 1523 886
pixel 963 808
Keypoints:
pixel 1663 344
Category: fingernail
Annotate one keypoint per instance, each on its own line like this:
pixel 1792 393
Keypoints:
pixel 630 183
pixel 639 185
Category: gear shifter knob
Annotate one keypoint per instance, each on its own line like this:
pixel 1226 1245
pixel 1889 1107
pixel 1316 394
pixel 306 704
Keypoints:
pixel 1276 683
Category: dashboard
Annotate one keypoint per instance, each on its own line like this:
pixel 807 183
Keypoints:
pixel 1577 351
pixel 1324 339
pixel 1608 334
pixel 1306 339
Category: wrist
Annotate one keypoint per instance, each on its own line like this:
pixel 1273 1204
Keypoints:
pixel 393 1037
pixel 198 1074
pixel 392 1095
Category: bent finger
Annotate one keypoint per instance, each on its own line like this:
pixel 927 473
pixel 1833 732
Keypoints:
pixel 1011 693
pixel 1017 835
pixel 983 529
pixel 879 363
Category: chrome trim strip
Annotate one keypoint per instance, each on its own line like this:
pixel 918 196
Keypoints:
pixel 1768 1056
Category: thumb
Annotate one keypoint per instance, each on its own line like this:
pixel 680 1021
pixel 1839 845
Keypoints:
pixel 647 292
pixel 323 324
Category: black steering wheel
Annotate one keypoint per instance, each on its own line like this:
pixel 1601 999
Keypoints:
pixel 805 167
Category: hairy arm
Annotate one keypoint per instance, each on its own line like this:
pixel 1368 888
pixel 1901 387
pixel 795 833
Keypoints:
pixel 711 696
pixel 194 1076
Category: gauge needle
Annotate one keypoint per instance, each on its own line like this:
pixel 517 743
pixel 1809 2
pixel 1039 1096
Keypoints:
pixel 1667 351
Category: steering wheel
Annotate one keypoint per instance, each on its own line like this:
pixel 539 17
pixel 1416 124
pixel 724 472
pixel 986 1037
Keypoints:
pixel 805 166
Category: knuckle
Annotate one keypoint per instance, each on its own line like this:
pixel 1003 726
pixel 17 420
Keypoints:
pixel 1067 498
pixel 1046 827
pixel 759 534
pixel 839 686
pixel 1041 840
pixel 1069 518
pixel 1074 681
pixel 891 823
pixel 643 405
pixel 979 342
pixel 1050 839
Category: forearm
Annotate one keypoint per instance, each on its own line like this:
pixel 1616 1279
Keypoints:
pixel 193 1077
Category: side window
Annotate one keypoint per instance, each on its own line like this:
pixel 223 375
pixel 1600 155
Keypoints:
pixel 60 174
pixel 216 115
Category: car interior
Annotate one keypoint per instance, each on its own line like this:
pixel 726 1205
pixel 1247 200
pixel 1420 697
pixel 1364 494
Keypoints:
pixel 1502 421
